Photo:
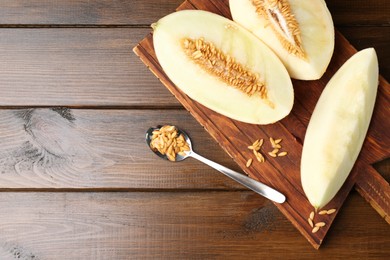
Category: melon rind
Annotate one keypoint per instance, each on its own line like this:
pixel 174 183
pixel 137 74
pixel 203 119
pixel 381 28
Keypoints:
pixel 209 90
pixel 338 127
pixel 317 35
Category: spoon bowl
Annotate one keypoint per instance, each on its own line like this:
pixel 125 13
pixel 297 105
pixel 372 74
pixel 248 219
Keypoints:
pixel 248 182
pixel 179 157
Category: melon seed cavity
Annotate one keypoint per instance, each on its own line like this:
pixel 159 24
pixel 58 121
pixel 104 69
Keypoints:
pixel 223 66
pixel 278 13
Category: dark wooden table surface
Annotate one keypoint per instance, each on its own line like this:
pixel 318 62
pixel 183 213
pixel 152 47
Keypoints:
pixel 76 178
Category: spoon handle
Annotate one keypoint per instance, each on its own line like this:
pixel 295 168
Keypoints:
pixel 250 183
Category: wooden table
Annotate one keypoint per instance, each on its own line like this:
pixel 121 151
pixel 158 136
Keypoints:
pixel 77 180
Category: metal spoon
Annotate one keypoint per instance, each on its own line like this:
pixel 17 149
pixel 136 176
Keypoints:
pixel 252 184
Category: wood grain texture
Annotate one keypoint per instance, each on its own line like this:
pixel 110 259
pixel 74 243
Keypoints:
pixel 175 225
pixel 360 12
pixel 101 149
pixel 365 37
pixel 139 12
pixel 75 67
pixel 95 67
pixel 84 12
pixel 77 53
pixel 376 191
pixel 236 136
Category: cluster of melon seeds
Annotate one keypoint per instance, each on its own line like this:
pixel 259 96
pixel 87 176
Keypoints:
pixel 255 147
pixel 223 66
pixel 316 226
pixel 167 142
pixel 275 143
pixel 278 13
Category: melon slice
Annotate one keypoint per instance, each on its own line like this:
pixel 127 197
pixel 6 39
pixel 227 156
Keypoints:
pixel 338 127
pixel 300 32
pixel 223 66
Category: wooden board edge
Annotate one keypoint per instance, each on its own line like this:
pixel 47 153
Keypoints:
pixel 376 191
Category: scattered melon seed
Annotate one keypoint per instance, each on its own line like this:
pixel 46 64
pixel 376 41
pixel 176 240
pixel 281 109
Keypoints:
pixel 272 141
pixel 331 211
pixel 249 162
pixel 278 146
pixel 311 215
pixel 282 154
pixel 320 224
pixel 260 143
pixel 315 229
pixel 272 154
pixel 278 141
pixel 323 212
pixel 310 222
pixel 256 145
pixel 259 156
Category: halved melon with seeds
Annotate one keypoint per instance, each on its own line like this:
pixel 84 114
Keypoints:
pixel 223 66
pixel 338 127
pixel 300 32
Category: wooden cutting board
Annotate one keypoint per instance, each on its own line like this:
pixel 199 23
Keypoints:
pixel 283 173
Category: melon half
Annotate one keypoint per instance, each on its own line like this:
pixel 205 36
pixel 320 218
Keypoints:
pixel 300 32
pixel 223 66
pixel 338 127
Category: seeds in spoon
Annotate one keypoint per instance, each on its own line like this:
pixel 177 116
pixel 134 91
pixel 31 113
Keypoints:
pixel 167 142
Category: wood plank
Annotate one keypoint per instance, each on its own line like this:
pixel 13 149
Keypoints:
pixel 101 149
pixel 94 67
pixel 377 37
pixel 175 225
pixel 296 208
pixel 76 67
pixel 360 12
pixel 138 12
pixel 376 191
pixel 84 12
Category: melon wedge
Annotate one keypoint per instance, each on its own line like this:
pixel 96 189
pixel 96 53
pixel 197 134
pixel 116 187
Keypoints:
pixel 300 32
pixel 338 127
pixel 223 66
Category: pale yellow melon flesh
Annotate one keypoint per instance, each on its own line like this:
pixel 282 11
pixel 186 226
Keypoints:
pixel 338 127
pixel 316 33
pixel 210 90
